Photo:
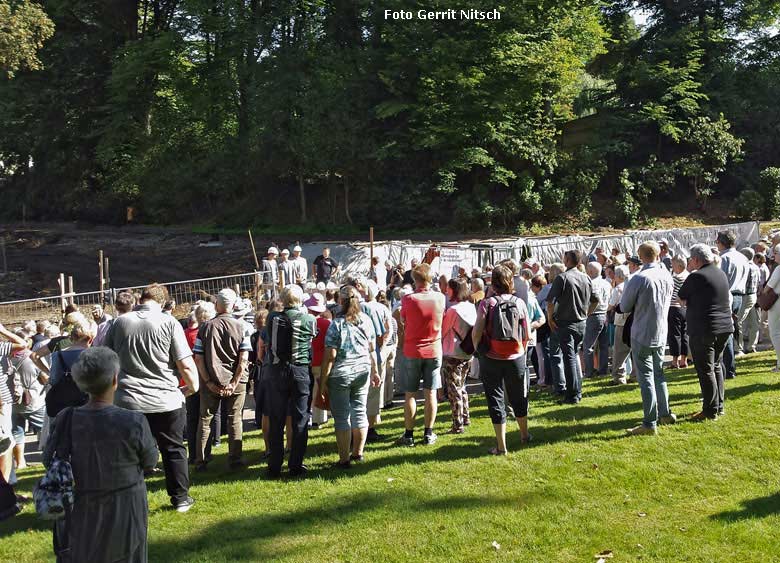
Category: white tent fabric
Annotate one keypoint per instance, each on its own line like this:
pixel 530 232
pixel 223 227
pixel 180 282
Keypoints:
pixel 354 258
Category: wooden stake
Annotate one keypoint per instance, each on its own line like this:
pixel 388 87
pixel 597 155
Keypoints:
pixel 70 289
pixel 101 275
pixel 254 252
pixel 106 272
pixel 371 252
pixel 61 282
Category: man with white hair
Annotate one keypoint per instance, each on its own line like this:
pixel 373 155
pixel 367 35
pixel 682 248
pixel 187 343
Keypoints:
pixel 290 381
pixel 706 294
pixel 149 344
pixel 648 295
pixel 477 291
pixel 300 266
pixel 222 354
pixel 596 323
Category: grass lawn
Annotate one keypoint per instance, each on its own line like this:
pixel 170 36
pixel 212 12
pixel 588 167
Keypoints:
pixel 697 492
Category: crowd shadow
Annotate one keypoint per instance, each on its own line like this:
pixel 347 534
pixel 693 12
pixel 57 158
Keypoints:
pixel 240 538
pixel 760 507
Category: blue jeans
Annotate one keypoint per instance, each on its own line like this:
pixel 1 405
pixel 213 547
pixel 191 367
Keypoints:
pixel 555 375
pixel 649 362
pixel 729 364
pixel 596 333
pixel 570 336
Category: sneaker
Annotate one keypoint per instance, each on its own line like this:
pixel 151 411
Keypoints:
pixel 496 451
pixel 356 458
pixel 617 382
pixel 671 419
pixel 405 441
pixel 739 354
pixel 373 436
pixel 455 431
pixel 299 473
pixel 429 439
pixel 184 505
pixel 641 430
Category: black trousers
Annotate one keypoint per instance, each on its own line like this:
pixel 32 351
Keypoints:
pixel 678 335
pixel 496 374
pixel 707 352
pixel 168 430
pixel 288 391
pixel 193 421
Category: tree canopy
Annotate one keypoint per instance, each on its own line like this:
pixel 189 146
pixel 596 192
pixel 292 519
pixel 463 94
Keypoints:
pixel 324 111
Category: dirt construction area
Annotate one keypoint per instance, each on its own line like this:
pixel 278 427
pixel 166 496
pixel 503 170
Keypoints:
pixel 35 255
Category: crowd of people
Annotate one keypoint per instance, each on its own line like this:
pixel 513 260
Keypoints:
pixel 122 390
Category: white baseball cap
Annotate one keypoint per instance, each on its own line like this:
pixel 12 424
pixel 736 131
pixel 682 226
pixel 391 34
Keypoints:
pixel 273 250
pixel 297 248
pixel 285 251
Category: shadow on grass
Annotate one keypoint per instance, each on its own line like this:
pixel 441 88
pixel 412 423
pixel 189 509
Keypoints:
pixel 754 508
pixel 274 535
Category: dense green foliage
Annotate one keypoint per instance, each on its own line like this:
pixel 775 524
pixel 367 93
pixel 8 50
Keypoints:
pixel 265 112
pixel 696 493
pixel 24 27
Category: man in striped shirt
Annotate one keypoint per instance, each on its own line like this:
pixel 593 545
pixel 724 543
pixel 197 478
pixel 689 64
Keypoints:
pixel 9 343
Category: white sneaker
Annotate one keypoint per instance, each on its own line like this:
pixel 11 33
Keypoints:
pixel 739 354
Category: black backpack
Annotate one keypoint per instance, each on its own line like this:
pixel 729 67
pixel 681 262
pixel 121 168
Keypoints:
pixel 280 334
pixel 506 320
pixel 65 393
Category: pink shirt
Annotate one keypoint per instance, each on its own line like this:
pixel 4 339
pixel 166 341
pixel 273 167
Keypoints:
pixel 422 314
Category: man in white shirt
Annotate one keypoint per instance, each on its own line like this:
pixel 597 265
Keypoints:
pixel 300 266
pixel 737 268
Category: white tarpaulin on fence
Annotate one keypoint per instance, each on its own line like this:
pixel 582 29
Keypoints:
pixel 354 258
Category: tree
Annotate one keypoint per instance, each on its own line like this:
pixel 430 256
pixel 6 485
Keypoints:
pixel 24 28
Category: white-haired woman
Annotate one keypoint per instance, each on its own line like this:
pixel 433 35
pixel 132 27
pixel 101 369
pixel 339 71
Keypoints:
pixel 621 352
pixel 110 448
pixel 63 392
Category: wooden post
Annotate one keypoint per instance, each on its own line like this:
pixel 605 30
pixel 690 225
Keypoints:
pixel 106 272
pixel 61 282
pixel 281 279
pixel 254 252
pixel 5 261
pixel 371 272
pixel 70 289
pixel 101 275
pixel 237 289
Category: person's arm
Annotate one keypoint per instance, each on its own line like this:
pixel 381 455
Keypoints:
pixel 189 373
pixel 17 342
pixel 37 359
pixel 328 360
pixel 479 326
pixel 630 292
pixel 243 360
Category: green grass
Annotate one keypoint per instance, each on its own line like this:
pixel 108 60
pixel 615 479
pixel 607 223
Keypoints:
pixel 697 492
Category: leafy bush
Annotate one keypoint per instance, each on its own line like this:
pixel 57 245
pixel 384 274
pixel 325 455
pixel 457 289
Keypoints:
pixel 749 205
pixel 769 190
pixel 627 205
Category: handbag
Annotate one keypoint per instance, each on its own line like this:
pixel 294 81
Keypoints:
pixel 65 393
pixel 767 298
pixel 53 495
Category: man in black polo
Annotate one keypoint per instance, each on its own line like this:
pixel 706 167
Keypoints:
pixel 707 297
pixel 567 310
pixel 325 267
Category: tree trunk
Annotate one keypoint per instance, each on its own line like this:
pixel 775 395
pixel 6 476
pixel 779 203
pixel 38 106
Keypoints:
pixel 346 199
pixel 302 192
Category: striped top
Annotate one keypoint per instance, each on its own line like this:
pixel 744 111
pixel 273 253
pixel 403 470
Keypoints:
pixel 5 360
pixel 678 280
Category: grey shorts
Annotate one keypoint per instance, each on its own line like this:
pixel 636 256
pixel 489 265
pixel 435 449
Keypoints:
pixel 414 370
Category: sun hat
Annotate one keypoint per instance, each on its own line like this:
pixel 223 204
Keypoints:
pixel 316 303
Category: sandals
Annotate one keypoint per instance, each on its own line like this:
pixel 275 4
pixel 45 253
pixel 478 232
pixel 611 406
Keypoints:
pixel 343 465
pixel 496 451
pixel 356 458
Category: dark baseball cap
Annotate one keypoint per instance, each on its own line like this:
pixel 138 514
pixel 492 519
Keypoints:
pixel 635 260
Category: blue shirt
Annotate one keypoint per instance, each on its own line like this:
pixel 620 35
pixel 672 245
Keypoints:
pixel 353 343
pixel 736 267
pixel 648 295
